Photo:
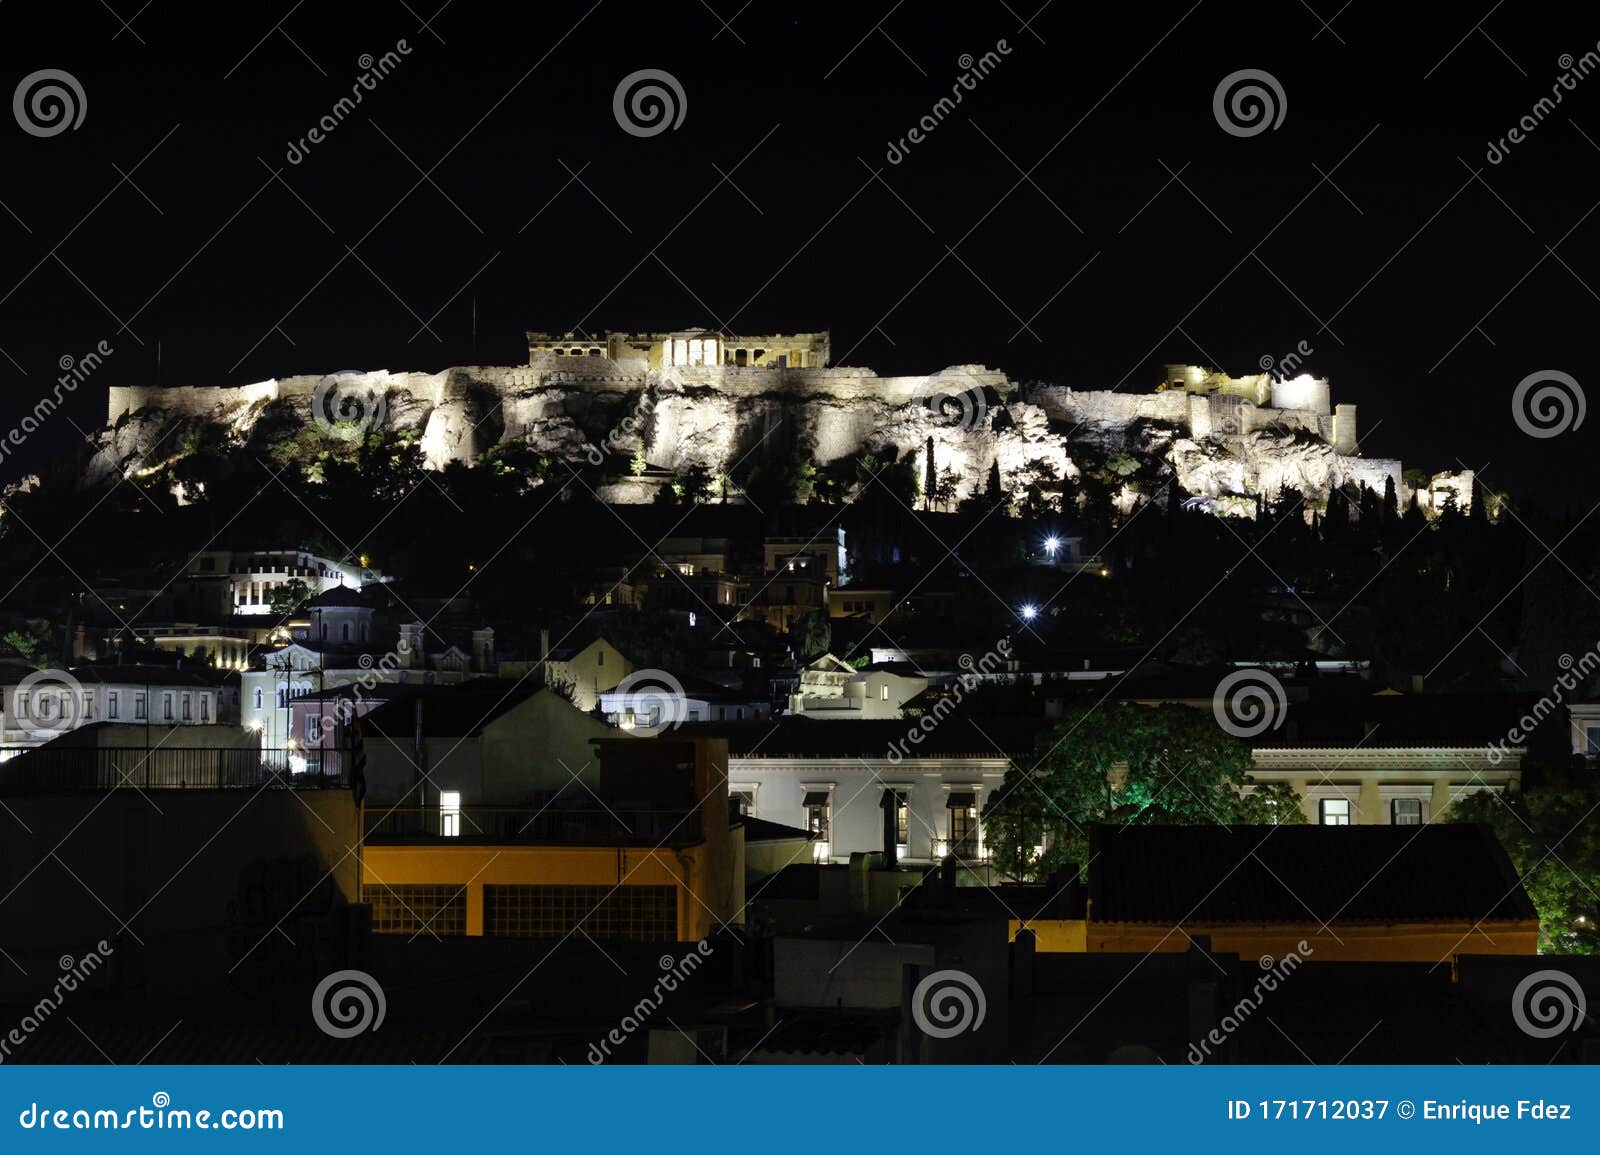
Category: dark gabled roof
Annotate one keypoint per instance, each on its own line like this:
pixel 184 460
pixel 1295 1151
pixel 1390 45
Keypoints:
pixel 458 711
pixel 1336 874
pixel 343 597
pixel 140 675
pixel 760 830
pixel 1386 720
pixel 796 736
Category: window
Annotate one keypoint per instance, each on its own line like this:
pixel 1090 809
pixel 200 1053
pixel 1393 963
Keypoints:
pixel 258 698
pixel 413 910
pixel 205 707
pixel 139 711
pixel 902 818
pixel 314 730
pixel 283 696
pixel 963 805
pixel 1335 811
pixel 1592 740
pixel 883 692
pixel 744 801
pixel 166 707
pixel 817 805
pixel 88 707
pixel 450 813
pixel 1405 812
pixel 344 632
pixel 188 709
pixel 599 657
pixel 640 913
pixel 113 704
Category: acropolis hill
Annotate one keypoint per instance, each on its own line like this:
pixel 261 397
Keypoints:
pixel 702 398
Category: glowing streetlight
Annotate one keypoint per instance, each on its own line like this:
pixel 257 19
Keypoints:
pixel 1029 612
pixel 1051 544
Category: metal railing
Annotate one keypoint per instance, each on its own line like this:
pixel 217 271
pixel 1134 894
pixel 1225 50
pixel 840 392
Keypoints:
pixel 90 768
pixel 499 824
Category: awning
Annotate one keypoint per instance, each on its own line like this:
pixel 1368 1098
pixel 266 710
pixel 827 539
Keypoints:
pixel 962 799
pixel 815 798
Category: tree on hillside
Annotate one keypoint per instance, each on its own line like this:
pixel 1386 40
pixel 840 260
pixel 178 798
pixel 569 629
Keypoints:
pixel 1551 833
pixel 1125 763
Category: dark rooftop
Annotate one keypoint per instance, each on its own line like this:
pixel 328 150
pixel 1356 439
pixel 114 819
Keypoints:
pixel 796 736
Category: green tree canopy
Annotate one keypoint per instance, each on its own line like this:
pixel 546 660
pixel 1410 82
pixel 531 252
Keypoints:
pixel 1126 763
pixel 1551 833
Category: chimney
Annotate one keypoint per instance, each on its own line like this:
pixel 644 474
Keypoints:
pixel 483 650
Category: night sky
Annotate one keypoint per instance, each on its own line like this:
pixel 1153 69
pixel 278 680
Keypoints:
pixel 487 175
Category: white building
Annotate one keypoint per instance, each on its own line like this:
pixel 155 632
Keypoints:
pixel 229 582
pixel 832 688
pixel 38 707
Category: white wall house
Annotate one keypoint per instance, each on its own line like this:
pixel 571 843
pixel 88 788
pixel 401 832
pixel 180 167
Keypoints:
pixel 40 707
pixel 831 688
pixel 242 581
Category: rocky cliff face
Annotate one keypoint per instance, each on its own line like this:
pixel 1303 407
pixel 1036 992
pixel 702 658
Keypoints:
pixel 975 418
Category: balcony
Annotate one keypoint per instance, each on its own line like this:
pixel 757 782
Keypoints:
pixel 499 825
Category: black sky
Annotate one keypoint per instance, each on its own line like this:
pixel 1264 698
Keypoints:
pixel 1438 289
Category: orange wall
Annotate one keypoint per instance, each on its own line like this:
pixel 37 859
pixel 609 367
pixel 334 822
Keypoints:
pixel 477 866
pixel 1429 942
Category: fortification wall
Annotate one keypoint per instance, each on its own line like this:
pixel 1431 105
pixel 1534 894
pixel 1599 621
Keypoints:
pixel 1107 406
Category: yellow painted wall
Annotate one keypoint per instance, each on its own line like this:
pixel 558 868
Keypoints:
pixel 1055 935
pixel 1429 942
pixel 478 866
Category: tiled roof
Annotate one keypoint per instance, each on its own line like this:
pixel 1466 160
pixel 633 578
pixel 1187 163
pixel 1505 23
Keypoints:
pixel 1298 874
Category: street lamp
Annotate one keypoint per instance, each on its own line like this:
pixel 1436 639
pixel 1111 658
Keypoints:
pixel 1029 612
pixel 1051 545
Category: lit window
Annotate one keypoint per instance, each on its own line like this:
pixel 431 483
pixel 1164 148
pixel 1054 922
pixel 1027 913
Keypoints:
pixel 817 807
pixel 1335 811
pixel 963 806
pixel 1405 812
pixel 314 730
pixel 450 813
pixel 883 692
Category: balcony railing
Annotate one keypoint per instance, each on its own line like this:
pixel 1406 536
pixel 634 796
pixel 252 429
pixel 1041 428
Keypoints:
pixel 502 824
pixel 89 768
